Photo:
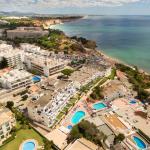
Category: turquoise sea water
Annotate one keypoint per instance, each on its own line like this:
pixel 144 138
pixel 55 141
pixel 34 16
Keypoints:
pixel 126 38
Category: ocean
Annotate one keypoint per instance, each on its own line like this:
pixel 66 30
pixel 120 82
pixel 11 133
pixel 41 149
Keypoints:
pixel 126 38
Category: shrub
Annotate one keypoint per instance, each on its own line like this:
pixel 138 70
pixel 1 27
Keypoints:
pixel 87 130
pixel 119 138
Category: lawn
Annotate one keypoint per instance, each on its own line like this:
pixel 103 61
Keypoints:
pixel 21 136
pixel 113 74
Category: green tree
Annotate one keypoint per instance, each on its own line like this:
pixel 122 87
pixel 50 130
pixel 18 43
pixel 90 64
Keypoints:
pixel 67 72
pixel 87 130
pixel 3 63
pixel 140 81
pixel 119 138
pixel 10 104
pixel 74 134
pixel 48 144
pixel 97 93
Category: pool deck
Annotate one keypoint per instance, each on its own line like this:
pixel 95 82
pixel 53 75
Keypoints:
pixel 80 106
pixel 100 109
pixel 29 140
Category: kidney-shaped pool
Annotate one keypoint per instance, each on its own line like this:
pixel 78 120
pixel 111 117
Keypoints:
pixel 77 117
pixel 139 143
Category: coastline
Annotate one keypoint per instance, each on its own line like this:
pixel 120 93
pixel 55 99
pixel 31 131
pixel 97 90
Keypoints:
pixel 115 60
pixel 107 57
pixel 64 20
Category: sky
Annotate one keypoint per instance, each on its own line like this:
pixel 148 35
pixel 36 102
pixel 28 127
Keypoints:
pixel 96 7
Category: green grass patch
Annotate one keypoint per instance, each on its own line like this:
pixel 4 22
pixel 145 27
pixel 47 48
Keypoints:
pixel 89 85
pixel 103 81
pixel 113 74
pixel 21 136
pixel 66 108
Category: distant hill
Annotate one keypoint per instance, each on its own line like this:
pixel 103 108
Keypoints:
pixel 16 13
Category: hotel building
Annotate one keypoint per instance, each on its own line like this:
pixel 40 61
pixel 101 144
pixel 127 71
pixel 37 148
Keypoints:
pixel 15 79
pixel 26 32
pixel 7 122
pixel 45 65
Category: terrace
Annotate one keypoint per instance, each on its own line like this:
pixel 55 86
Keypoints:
pixel 117 124
pixel 126 111
pixel 85 75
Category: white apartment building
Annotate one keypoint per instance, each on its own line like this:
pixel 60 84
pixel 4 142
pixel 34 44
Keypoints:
pixel 5 47
pixel 7 122
pixel 45 109
pixel 30 48
pixel 15 79
pixel 44 65
pixel 113 90
pixel 12 56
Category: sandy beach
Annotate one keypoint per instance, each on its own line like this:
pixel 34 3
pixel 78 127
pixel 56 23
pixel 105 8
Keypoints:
pixel 115 60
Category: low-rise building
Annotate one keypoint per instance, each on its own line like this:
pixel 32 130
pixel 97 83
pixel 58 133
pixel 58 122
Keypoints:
pixel 29 48
pixel 82 144
pixel 3 22
pixel 46 108
pixel 85 75
pixel 59 138
pixel 114 90
pixel 2 32
pixel 33 49
pixel 26 32
pixel 7 122
pixel 5 47
pixel 15 79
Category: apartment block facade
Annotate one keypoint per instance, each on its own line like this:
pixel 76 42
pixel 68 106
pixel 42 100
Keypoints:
pixel 7 122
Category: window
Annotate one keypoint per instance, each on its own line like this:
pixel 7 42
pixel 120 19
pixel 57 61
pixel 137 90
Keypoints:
pixel 7 124
pixel 1 132
pixel 2 136
pixel 8 128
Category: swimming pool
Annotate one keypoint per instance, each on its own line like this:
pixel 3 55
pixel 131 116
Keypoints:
pixel 36 79
pixel 133 102
pixel 30 145
pixel 77 117
pixel 69 127
pixel 139 143
pixel 99 106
